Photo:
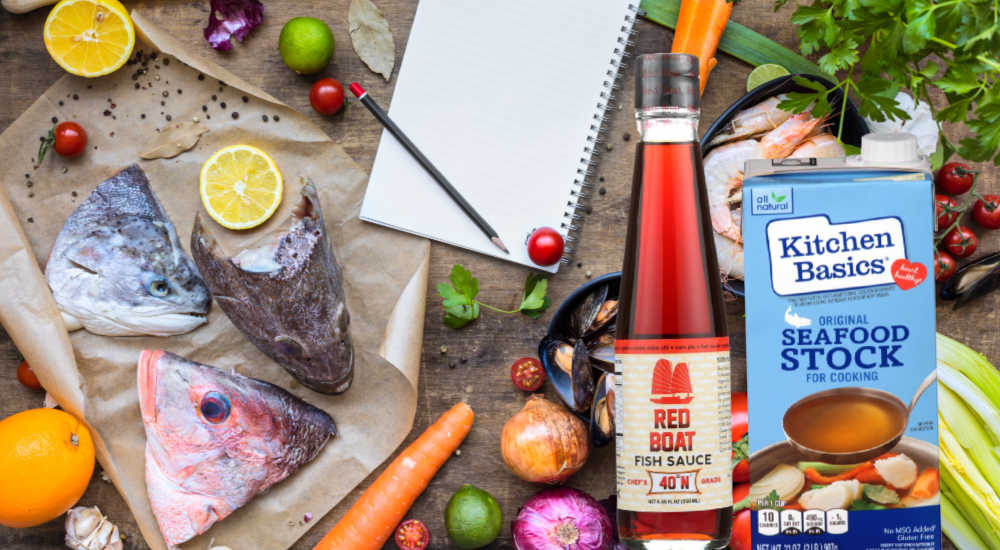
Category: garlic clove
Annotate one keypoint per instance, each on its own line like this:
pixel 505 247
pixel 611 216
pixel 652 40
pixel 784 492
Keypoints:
pixel 88 529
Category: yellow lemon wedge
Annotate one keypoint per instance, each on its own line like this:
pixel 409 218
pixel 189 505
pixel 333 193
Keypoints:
pixel 89 37
pixel 240 186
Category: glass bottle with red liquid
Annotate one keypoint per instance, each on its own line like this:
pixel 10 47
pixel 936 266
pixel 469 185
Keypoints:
pixel 672 351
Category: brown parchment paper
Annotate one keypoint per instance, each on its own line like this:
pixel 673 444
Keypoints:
pixel 94 377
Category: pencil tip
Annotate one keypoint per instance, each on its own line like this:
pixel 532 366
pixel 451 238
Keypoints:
pixel 499 243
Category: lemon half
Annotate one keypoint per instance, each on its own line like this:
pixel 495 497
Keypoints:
pixel 89 37
pixel 241 187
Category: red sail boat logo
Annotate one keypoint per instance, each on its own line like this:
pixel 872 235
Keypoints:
pixel 671 386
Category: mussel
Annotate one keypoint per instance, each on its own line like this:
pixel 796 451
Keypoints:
pixel 584 341
pixel 973 280
pixel 602 412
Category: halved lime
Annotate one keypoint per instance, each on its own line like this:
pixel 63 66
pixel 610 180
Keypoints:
pixel 765 73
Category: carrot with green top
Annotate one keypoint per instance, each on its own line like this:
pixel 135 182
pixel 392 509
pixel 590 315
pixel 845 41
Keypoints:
pixel 699 27
pixel 374 517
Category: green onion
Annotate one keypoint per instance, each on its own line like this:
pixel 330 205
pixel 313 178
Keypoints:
pixel 737 40
pixel 826 469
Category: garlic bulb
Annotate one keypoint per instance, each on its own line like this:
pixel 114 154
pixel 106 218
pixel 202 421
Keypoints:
pixel 88 529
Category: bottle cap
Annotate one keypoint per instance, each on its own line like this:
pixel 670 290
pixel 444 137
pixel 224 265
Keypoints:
pixel 666 80
pixel 889 148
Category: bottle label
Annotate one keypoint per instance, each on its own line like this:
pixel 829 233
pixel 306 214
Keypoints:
pixel 673 417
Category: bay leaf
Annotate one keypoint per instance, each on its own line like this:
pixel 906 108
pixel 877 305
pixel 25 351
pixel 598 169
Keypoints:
pixel 174 140
pixel 371 37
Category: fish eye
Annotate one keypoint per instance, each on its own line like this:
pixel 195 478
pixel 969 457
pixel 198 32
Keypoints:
pixel 159 288
pixel 214 407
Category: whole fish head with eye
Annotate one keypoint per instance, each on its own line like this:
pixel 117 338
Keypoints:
pixel 117 267
pixel 287 296
pixel 215 439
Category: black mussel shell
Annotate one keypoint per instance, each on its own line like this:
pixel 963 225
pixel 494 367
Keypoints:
pixel 560 378
pixel 973 280
pixel 584 316
pixel 602 412
pixel 582 379
pixel 606 314
pixel 602 356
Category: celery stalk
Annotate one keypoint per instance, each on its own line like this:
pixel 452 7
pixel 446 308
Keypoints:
pixel 972 364
pixel 953 457
pixel 826 469
pixel 951 489
pixel 975 441
pixel 738 41
pixel 957 529
pixel 974 397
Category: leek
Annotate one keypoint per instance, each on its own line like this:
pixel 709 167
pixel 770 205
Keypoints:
pixel 972 396
pixel 957 529
pixel 974 439
pixel 738 41
pixel 826 469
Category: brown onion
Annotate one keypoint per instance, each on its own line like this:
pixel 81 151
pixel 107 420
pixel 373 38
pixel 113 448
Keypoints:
pixel 544 442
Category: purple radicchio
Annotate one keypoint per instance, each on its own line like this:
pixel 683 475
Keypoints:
pixel 232 19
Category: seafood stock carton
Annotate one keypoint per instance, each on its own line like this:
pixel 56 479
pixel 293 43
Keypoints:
pixel 840 348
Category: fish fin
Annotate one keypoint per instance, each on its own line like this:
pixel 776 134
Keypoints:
pixel 71 322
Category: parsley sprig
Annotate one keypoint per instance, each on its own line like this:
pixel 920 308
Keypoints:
pixel 461 306
pixel 878 47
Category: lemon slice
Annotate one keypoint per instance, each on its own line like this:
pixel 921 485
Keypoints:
pixel 240 187
pixel 89 37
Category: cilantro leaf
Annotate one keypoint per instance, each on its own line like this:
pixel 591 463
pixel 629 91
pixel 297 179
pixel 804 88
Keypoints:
pixel 534 301
pixel 464 281
pixel 461 307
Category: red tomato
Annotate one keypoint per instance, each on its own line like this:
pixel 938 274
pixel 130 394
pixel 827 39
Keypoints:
pixel 961 242
pixel 955 178
pixel 740 492
pixel 545 246
pixel 527 374
pixel 741 467
pixel 412 534
pixel 741 471
pixel 946 210
pixel 739 400
pixel 741 531
pixel 944 265
pixel 986 211
pixel 327 96
pixel 71 139
pixel 27 377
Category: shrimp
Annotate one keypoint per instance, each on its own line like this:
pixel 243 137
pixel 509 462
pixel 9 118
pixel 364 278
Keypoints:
pixel 724 179
pixel 780 142
pixel 724 171
pixel 821 146
pixel 730 256
pixel 758 119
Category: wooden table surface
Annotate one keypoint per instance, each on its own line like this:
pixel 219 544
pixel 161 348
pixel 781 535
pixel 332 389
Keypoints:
pixel 475 366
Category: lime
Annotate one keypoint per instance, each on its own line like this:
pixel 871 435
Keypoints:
pixel 472 517
pixel 763 73
pixel 306 44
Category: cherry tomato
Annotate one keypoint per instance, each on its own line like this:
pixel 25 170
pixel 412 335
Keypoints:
pixel 955 178
pixel 946 210
pixel 739 406
pixel 961 242
pixel 545 246
pixel 944 265
pixel 412 534
pixel 741 531
pixel 986 211
pixel 327 96
pixel 71 139
pixel 27 377
pixel 740 492
pixel 741 467
pixel 527 374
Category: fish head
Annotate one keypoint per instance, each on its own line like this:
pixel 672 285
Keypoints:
pixel 215 439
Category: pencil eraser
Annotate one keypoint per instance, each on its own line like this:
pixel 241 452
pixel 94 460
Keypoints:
pixel 356 89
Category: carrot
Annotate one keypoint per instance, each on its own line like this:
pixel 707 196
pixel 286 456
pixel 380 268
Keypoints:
pixel 926 485
pixel 699 27
pixel 815 477
pixel 374 517
pixel 793 506
pixel 871 476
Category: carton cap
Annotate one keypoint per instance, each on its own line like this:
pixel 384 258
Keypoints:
pixel 889 148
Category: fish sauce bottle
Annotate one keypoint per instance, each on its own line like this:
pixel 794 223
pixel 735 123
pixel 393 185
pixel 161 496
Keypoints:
pixel 673 446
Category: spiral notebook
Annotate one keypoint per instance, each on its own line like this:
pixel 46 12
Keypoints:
pixel 507 99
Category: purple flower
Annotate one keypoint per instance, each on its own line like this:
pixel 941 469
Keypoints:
pixel 232 19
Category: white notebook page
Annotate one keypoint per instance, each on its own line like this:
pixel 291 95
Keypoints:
pixel 500 96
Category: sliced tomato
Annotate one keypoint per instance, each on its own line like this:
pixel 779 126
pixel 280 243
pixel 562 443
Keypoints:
pixel 412 534
pixel 527 374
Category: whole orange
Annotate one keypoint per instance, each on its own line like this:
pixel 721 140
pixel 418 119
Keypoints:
pixel 46 460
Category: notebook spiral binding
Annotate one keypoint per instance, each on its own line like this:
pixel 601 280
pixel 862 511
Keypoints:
pixel 582 182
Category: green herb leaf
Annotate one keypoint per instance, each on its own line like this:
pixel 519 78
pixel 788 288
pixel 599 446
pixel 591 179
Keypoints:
pixel 862 504
pixel 461 307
